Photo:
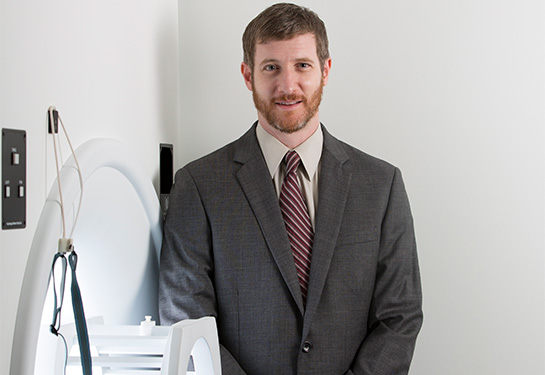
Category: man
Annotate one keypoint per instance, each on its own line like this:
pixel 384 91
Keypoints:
pixel 317 274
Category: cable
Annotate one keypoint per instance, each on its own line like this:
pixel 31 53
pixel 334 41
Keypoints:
pixel 79 175
pixel 65 246
pixel 65 351
pixel 53 117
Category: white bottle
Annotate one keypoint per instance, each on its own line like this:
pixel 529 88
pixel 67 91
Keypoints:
pixel 146 326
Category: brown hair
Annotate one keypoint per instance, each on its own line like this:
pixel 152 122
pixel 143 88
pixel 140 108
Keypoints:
pixel 284 21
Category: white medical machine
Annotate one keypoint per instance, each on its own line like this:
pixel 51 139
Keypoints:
pixel 117 238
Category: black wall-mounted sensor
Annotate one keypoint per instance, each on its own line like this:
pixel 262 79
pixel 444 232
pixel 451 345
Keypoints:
pixel 166 173
pixel 13 179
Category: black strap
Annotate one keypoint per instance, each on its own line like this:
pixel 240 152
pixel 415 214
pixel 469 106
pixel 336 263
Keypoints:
pixel 56 323
pixel 79 314
pixel 77 304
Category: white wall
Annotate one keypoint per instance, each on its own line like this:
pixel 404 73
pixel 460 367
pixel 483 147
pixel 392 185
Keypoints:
pixel 453 93
pixel 450 91
pixel 110 68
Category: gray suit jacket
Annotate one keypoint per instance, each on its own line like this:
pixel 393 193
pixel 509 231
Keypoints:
pixel 226 254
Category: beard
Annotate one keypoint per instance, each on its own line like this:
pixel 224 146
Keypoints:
pixel 288 121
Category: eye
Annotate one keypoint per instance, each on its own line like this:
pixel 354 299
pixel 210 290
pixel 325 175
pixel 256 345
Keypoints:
pixel 304 65
pixel 270 68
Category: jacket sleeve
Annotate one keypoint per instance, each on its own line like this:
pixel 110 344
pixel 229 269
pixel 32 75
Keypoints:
pixel 395 315
pixel 186 281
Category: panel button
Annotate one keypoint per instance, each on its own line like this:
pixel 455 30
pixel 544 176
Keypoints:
pixel 7 191
pixel 21 191
pixel 15 159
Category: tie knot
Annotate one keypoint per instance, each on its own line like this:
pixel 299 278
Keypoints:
pixel 292 161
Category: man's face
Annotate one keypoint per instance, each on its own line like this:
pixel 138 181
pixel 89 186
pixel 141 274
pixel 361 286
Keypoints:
pixel 287 83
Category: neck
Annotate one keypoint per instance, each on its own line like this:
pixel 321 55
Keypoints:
pixel 291 140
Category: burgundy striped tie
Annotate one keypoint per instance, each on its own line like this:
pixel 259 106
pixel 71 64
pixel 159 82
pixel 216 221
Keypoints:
pixel 297 220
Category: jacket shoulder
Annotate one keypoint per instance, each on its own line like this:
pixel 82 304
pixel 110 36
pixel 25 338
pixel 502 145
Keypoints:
pixel 356 159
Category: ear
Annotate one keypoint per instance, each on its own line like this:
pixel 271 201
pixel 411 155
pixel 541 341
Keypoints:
pixel 247 75
pixel 327 68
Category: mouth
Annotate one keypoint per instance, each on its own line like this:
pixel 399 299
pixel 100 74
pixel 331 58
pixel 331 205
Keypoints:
pixel 289 104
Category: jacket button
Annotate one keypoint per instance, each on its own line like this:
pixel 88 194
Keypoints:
pixel 307 346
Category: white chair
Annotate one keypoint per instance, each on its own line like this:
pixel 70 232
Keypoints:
pixel 124 349
pixel 198 338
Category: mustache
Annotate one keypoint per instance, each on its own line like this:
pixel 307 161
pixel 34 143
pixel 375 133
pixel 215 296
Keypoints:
pixel 289 98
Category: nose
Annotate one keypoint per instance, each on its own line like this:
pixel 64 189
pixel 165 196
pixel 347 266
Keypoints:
pixel 287 82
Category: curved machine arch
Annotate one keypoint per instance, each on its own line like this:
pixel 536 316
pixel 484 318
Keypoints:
pixel 92 156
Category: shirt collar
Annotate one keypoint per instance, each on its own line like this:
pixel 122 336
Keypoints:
pixel 273 150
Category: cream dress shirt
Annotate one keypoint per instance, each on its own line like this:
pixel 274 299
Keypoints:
pixel 310 152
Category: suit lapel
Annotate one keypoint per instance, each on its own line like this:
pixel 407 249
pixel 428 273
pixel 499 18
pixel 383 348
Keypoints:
pixel 333 191
pixel 257 185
